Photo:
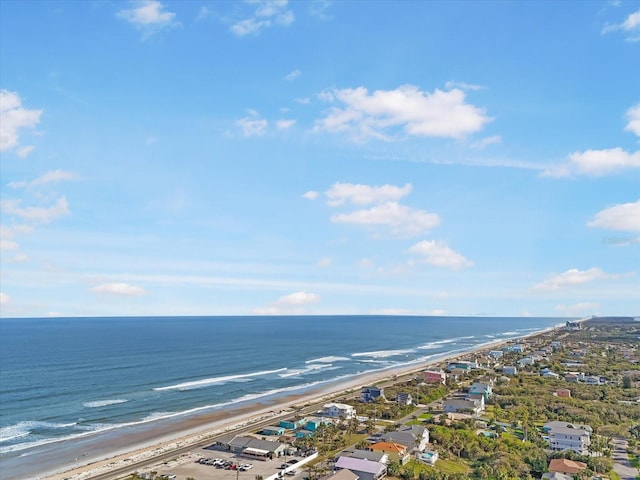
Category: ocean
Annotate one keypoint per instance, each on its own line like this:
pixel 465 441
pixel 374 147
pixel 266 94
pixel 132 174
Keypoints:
pixel 71 380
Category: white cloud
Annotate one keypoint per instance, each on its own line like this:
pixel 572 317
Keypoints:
pixel 578 308
pixel 48 177
pixel 310 195
pixel 303 101
pixel 366 263
pixel 358 194
pixel 4 299
pixel 119 289
pixel 485 142
pixel 252 126
pixel 571 278
pixel 14 117
pixel 285 124
pixel 595 163
pixel 416 113
pixel 23 152
pixel 401 220
pixel 625 216
pixel 324 262
pixel 36 214
pixel 266 14
pixel 451 84
pixel 288 304
pixel 148 16
pixel 319 8
pixel 6 245
pixel 633 116
pixel 439 254
pixel 630 26
pixel 292 75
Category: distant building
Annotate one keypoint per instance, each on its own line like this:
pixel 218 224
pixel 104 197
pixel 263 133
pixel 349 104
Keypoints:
pixel 517 348
pixel 483 388
pixel 474 407
pixel 566 436
pixel 404 399
pixel 572 326
pixel 496 354
pixel 461 365
pixel 433 376
pixel 563 393
pixel 371 394
pixel 509 370
pixel 592 380
pixel 338 410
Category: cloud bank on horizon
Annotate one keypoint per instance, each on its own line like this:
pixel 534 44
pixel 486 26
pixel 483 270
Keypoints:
pixel 269 157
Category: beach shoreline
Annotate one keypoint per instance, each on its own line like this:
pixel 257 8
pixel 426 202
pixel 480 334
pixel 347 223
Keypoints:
pixel 192 431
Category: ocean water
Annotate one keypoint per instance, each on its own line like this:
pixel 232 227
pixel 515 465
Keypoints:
pixel 63 380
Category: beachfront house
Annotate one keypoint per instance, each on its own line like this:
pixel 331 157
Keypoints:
pixel 396 451
pixel 293 423
pixel 459 405
pixel 466 366
pixel 371 394
pixel 364 469
pixel 567 436
pixel 415 437
pixel 338 410
pixel 314 422
pixel 273 431
pixel 495 354
pixel 509 370
pixel 434 376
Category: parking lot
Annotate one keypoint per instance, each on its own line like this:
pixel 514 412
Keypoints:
pixel 201 464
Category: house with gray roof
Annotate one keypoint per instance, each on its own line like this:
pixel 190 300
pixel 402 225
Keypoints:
pixel 415 437
pixel 364 469
pixel 381 457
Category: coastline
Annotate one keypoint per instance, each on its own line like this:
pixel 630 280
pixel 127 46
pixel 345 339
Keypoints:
pixel 192 431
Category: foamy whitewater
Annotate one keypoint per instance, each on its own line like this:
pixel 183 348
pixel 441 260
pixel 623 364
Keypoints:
pixel 66 380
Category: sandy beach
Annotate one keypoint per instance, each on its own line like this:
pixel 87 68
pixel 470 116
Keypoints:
pixel 195 430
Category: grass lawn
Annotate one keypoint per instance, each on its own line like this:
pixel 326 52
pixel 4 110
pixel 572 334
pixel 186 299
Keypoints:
pixel 450 466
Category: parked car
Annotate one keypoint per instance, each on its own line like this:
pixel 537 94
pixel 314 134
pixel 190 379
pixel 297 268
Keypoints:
pixel 291 473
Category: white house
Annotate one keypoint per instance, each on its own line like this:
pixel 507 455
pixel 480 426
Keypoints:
pixel 566 436
pixel 338 410
pixel 475 407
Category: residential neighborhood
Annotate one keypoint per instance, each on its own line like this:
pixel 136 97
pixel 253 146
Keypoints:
pixel 550 406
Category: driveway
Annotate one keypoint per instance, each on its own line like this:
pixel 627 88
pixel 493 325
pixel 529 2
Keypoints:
pixel 621 463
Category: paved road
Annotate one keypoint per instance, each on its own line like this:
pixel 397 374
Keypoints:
pixel 621 463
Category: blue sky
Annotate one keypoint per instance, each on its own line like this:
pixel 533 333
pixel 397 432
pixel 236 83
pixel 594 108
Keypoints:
pixel 317 157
